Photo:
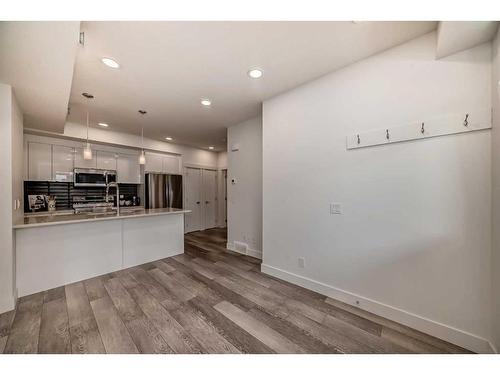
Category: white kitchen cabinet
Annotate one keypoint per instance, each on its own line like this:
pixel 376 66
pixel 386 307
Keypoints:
pixel 80 162
pixel 63 160
pixel 154 162
pixel 106 160
pixel 160 163
pixel 171 164
pixel 128 169
pixel 39 161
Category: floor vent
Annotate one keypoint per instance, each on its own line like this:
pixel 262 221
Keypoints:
pixel 240 246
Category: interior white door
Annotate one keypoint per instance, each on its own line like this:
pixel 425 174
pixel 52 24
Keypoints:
pixel 193 199
pixel 209 198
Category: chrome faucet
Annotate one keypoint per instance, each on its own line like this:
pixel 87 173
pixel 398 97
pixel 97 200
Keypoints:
pixel 114 184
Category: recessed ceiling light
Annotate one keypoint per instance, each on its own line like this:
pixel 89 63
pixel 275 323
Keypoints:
pixel 255 73
pixel 211 147
pixel 103 124
pixel 168 138
pixel 110 62
pixel 206 102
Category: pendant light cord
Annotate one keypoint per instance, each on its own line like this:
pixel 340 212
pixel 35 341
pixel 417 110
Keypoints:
pixel 87 126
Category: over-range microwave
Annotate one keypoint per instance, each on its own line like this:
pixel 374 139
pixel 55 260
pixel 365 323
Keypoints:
pixel 83 177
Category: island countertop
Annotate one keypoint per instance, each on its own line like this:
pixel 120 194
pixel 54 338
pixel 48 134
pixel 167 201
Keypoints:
pixel 30 221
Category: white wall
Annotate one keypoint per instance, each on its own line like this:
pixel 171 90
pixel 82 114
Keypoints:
pixel 495 147
pixel 10 188
pixel 222 160
pixel 414 240
pixel 245 197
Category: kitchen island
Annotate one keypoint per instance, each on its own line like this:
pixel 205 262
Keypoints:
pixel 58 249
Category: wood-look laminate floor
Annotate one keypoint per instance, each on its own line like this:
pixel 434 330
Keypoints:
pixel 207 300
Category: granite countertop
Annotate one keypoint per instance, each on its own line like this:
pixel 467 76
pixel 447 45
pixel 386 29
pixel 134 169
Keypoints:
pixel 58 218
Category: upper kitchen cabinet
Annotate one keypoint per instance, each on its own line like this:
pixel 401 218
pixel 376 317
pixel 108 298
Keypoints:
pixel 39 161
pixel 171 164
pixel 63 160
pixel 154 162
pixel 106 160
pixel 80 162
pixel 160 163
pixel 128 169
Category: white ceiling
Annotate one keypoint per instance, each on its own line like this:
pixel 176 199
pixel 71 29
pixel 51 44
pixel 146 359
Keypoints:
pixel 167 67
pixel 37 59
pixel 456 36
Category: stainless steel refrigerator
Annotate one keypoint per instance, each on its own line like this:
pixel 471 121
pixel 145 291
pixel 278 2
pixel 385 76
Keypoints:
pixel 163 190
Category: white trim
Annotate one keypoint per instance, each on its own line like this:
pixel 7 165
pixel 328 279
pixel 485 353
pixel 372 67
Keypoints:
pixel 454 335
pixel 250 252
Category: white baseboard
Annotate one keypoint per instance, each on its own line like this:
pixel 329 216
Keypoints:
pixel 250 252
pixel 454 335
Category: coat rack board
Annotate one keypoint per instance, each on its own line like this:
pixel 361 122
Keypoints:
pixel 465 122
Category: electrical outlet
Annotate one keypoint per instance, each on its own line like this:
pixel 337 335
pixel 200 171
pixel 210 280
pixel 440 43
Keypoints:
pixel 302 262
pixel 335 209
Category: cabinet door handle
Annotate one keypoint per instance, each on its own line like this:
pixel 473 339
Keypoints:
pixel 197 202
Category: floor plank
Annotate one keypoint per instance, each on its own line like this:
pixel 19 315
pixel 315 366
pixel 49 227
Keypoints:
pixel 25 329
pixel 53 294
pixel 54 329
pixel 237 336
pixel 341 343
pixel 155 288
pixel 6 320
pixel 84 333
pixel 204 332
pixel 114 334
pixel 260 331
pixel 299 337
pixel 123 302
pixel 171 285
pixel 95 288
pixel 3 341
pixel 174 334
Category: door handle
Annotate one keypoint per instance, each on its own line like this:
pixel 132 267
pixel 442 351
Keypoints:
pixel 207 202
pixel 197 202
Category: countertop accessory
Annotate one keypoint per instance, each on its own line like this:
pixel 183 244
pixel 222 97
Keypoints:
pixel 52 203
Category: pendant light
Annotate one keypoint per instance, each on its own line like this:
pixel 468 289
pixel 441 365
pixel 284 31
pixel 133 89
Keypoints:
pixel 142 156
pixel 87 151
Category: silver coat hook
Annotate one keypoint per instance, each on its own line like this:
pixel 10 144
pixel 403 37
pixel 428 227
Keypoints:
pixel 359 140
pixel 422 130
pixel 387 134
pixel 466 121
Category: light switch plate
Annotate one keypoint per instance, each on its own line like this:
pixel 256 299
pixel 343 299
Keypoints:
pixel 335 209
